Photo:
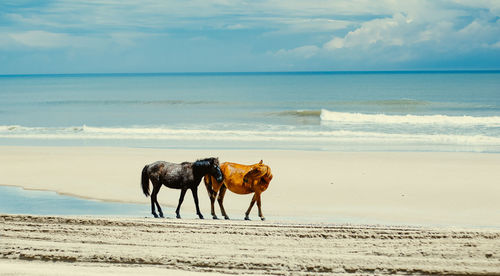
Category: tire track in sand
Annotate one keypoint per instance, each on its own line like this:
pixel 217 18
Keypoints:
pixel 251 247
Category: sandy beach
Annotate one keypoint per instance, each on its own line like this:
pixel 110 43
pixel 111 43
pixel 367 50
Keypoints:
pixel 437 189
pixel 147 246
pixel 328 212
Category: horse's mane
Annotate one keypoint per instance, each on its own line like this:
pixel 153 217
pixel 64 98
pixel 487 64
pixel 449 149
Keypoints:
pixel 205 162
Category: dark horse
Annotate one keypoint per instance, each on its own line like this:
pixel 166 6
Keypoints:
pixel 182 176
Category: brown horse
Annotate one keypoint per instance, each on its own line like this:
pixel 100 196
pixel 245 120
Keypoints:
pixel 240 179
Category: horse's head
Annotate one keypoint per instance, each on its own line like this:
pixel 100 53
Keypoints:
pixel 215 169
pixel 210 166
pixel 261 172
pixel 268 176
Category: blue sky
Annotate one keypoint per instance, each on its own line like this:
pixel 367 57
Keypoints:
pixel 105 36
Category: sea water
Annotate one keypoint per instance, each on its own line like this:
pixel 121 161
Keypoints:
pixel 336 111
pixel 15 200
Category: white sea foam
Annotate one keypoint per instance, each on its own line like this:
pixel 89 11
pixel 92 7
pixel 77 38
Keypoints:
pixel 285 134
pixel 360 118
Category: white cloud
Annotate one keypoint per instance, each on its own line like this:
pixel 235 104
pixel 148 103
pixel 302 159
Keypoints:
pixel 300 52
pixel 496 45
pixel 419 32
pixel 415 30
pixel 479 33
pixel 41 39
pixel 286 16
pixel 335 43
pixel 306 25
pixel 236 27
pixel 353 31
pixel 398 30
pixel 493 6
pixel 131 38
pixel 48 40
pixel 291 15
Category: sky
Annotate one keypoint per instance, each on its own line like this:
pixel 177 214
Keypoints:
pixel 130 36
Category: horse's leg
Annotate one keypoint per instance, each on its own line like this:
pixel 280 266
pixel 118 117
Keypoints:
pixel 211 193
pixel 220 200
pixel 154 193
pixel 259 206
pixel 160 212
pixel 254 198
pixel 195 197
pixel 181 199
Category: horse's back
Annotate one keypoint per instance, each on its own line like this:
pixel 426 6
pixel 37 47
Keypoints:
pixel 172 175
pixel 235 168
pixel 156 169
pixel 234 175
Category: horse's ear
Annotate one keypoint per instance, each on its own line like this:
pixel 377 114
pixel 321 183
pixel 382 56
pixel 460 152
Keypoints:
pixel 260 161
pixel 215 161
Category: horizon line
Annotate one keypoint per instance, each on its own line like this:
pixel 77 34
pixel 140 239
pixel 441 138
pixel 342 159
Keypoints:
pixel 208 73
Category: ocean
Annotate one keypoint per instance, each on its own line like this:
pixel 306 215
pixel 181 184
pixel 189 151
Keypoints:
pixel 328 111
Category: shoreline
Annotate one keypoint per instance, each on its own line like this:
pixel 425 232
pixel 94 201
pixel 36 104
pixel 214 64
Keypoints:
pixel 412 188
pixel 313 220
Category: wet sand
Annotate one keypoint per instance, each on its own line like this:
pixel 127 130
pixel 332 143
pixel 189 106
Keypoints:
pixel 99 245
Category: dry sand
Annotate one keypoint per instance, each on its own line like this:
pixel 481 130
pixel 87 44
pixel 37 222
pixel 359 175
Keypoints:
pixel 148 246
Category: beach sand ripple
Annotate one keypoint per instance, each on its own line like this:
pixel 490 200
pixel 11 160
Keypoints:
pixel 240 247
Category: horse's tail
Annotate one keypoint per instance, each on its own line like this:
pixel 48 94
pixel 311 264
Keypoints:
pixel 145 181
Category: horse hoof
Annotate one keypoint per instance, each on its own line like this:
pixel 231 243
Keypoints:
pixel 263 218
pixel 215 217
pixel 226 217
pixel 178 216
pixel 247 218
pixel 155 215
pixel 161 216
pixel 200 216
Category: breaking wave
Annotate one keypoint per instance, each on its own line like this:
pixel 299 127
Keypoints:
pixel 262 134
pixel 360 118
